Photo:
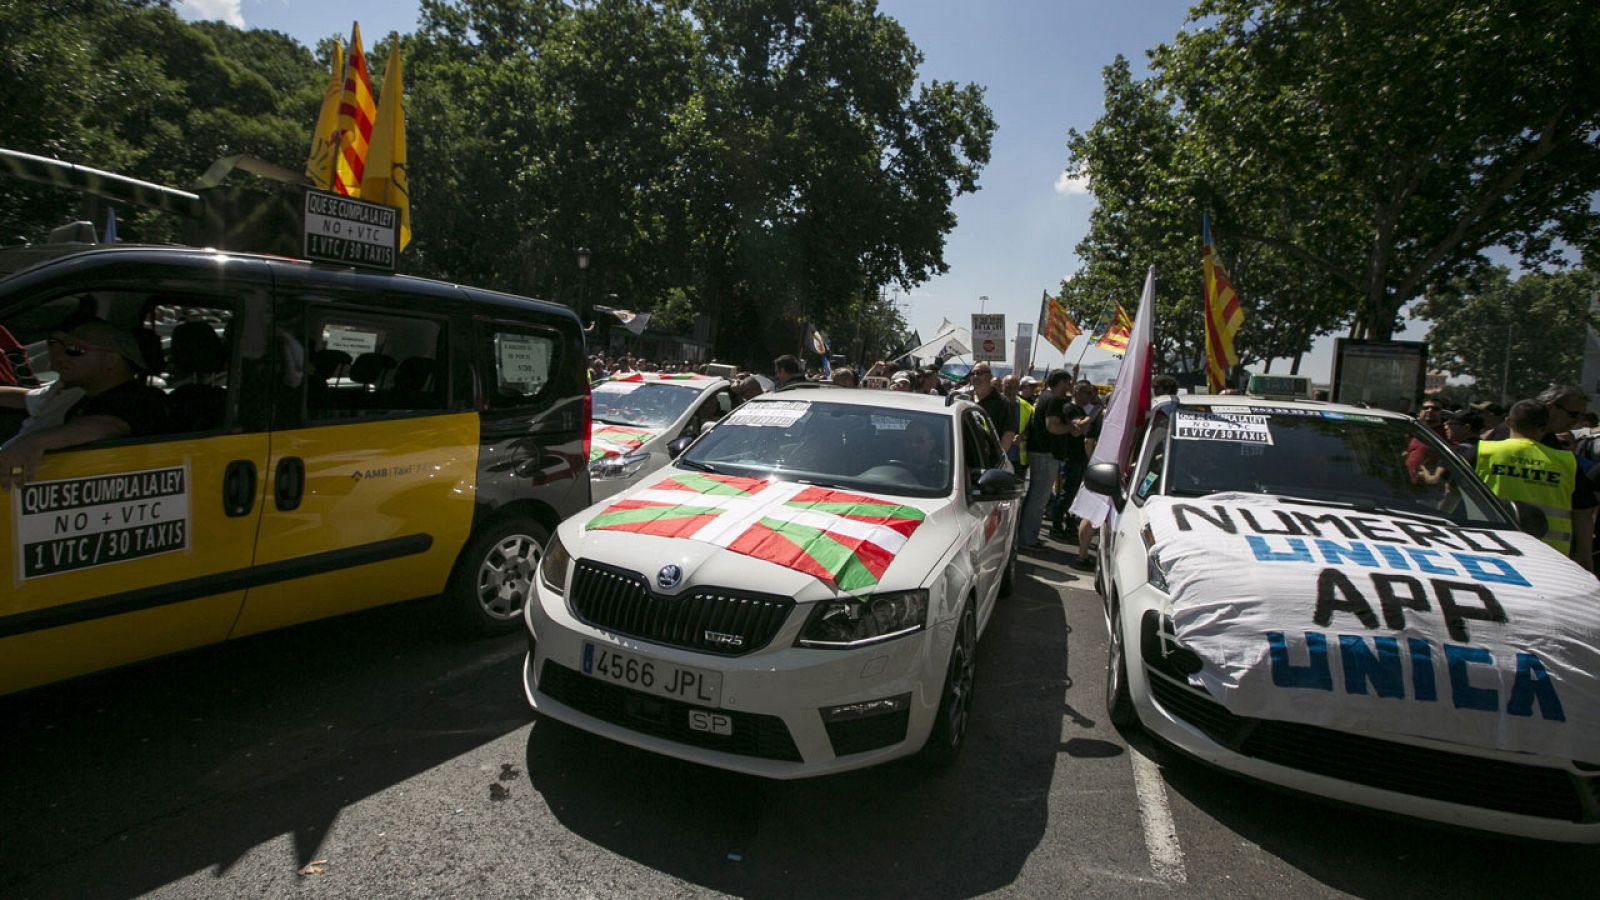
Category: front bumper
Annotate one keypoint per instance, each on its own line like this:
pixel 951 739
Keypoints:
pixel 773 696
pixel 1509 793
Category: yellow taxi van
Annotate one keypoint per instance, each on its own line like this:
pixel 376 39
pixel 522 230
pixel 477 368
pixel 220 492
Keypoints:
pixel 334 440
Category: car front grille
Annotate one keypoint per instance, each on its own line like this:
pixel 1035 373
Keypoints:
pixel 755 735
pixel 1527 790
pixel 723 621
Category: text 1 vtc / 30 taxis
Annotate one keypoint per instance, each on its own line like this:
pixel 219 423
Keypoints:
pixel 801 592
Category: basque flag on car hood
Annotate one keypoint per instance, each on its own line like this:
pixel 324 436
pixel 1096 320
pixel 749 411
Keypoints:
pixel 843 539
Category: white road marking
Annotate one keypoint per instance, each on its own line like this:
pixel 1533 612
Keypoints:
pixel 1160 834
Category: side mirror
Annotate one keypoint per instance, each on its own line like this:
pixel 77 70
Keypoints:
pixel 1104 478
pixel 1530 519
pixel 676 448
pixel 998 484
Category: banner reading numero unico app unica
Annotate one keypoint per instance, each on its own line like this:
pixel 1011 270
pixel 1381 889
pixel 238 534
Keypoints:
pixel 1362 621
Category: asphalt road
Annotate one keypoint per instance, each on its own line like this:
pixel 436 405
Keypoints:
pixel 373 756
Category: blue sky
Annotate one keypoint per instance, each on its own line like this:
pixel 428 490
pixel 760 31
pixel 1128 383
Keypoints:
pixel 1040 62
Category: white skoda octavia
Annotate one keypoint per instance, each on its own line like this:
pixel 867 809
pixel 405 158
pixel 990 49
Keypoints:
pixel 800 592
pixel 1325 598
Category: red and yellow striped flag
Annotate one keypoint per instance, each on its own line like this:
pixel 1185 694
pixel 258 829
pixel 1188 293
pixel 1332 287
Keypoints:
pixel 1058 327
pixel 1222 313
pixel 1115 338
pixel 356 112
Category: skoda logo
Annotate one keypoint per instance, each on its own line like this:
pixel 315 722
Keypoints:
pixel 669 576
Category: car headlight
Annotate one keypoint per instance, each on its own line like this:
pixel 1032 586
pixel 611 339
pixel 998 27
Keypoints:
pixel 609 467
pixel 553 568
pixel 858 621
pixel 1154 572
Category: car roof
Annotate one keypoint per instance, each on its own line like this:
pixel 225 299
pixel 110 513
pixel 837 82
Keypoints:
pixel 288 270
pixel 827 393
pixel 1248 400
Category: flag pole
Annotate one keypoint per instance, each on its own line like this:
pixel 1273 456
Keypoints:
pixel 1033 352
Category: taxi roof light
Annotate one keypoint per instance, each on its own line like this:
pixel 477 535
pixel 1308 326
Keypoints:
pixel 1279 387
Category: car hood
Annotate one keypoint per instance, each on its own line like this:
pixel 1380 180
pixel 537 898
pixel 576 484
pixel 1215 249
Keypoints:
pixel 772 536
pixel 1383 623
pixel 607 440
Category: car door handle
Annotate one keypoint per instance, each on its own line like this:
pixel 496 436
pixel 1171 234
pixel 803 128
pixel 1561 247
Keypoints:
pixel 239 488
pixel 289 483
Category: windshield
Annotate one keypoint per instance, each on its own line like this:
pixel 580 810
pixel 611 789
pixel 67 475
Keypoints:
pixel 899 452
pixel 645 405
pixel 1365 462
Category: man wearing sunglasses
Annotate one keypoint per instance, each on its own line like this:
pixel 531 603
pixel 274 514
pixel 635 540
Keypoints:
pixel 105 362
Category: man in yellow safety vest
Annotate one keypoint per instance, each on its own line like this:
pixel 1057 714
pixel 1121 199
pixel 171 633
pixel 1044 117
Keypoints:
pixel 1521 468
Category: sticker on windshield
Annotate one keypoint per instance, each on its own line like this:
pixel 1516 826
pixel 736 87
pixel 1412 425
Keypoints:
pixel 1218 426
pixel 1352 417
pixel 774 414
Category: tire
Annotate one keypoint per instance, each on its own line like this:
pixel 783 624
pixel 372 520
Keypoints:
pixel 1119 702
pixel 494 578
pixel 1008 575
pixel 955 697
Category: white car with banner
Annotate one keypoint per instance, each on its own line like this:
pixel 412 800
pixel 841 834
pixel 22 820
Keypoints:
pixel 1289 598
pixel 637 414
pixel 800 592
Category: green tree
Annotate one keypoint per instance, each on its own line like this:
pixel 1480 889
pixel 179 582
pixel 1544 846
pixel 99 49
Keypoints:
pixel 1147 180
pixel 769 161
pixel 1387 144
pixel 130 88
pixel 1513 338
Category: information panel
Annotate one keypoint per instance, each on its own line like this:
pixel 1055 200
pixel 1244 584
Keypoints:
pixel 351 232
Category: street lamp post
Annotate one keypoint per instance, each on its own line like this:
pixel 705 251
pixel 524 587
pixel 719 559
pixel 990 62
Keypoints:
pixel 983 303
pixel 583 281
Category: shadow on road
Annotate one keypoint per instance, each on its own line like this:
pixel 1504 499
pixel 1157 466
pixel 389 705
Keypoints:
pixel 894 830
pixel 120 783
pixel 1373 854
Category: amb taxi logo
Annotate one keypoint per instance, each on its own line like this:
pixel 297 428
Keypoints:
pixel 79 523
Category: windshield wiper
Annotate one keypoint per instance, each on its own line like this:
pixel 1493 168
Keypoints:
pixel 698 466
pixel 1367 507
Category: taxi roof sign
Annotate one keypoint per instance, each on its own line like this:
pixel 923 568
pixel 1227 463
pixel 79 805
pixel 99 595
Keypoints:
pixel 351 232
pixel 1279 387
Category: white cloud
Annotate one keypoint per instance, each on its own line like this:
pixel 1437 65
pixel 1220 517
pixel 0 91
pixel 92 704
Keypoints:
pixel 206 10
pixel 1072 184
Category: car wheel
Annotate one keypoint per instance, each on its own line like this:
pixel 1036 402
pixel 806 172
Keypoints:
pixel 955 698
pixel 495 576
pixel 1008 575
pixel 1119 703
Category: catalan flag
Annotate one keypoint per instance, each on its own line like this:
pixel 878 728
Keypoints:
pixel 1057 327
pixel 1222 313
pixel 319 164
pixel 384 180
pixel 356 112
pixel 1115 337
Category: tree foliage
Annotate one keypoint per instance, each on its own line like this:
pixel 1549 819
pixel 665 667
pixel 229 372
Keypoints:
pixel 1351 155
pixel 1513 338
pixel 130 88
pixel 768 162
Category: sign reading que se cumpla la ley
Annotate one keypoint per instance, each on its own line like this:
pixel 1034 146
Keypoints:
pixel 351 232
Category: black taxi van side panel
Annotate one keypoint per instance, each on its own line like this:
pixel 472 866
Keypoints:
pixel 531 447
pixel 94 544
